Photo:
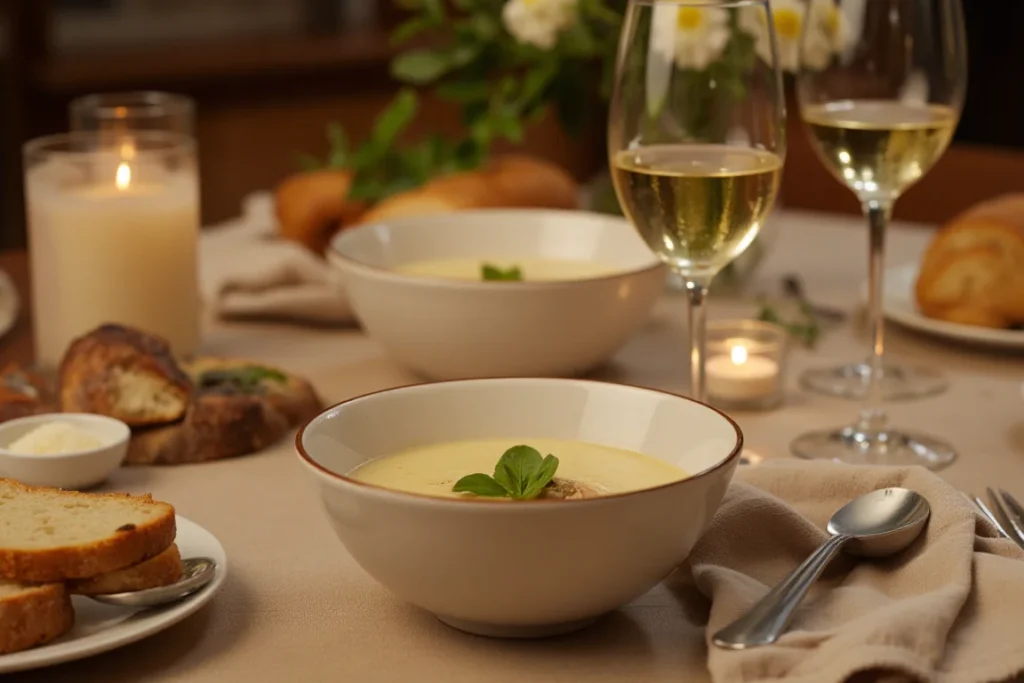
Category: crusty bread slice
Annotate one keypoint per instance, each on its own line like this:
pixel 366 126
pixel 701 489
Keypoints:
pixel 32 615
pixel 162 570
pixel 52 535
pixel 125 373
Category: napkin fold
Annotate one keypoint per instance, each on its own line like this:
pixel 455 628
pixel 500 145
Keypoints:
pixel 949 609
pixel 247 272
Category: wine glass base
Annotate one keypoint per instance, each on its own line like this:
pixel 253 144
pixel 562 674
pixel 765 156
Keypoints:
pixel 899 383
pixel 858 446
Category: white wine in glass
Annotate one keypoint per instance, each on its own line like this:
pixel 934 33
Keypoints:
pixel 880 113
pixel 695 150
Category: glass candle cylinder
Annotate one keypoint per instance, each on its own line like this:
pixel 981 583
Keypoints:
pixel 120 113
pixel 746 366
pixel 112 232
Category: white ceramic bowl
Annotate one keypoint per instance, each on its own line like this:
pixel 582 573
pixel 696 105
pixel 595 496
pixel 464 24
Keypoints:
pixel 77 470
pixel 520 569
pixel 449 329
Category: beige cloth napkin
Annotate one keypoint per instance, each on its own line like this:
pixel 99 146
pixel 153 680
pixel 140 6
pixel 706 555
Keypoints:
pixel 247 272
pixel 950 609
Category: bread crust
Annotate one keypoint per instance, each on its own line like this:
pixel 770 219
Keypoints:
pixel 89 375
pixel 161 570
pixel 124 546
pixel 509 181
pixel 973 271
pixel 34 616
pixel 226 419
pixel 312 206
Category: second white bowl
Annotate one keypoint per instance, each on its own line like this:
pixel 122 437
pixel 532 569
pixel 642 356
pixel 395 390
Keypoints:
pixel 452 329
pixel 77 470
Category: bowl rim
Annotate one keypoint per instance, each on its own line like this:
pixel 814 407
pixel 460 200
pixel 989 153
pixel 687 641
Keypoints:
pixel 43 418
pixel 533 503
pixel 333 254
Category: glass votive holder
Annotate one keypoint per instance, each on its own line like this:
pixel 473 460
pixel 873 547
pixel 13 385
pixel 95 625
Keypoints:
pixel 112 236
pixel 117 114
pixel 746 364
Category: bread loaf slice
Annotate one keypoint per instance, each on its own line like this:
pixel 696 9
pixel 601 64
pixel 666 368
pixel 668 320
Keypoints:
pixel 49 535
pixel 32 615
pixel 126 374
pixel 162 570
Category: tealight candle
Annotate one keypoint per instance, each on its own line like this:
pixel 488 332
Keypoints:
pixel 112 239
pixel 740 376
pixel 745 366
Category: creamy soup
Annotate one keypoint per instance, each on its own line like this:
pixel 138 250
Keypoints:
pixel 531 269
pixel 433 470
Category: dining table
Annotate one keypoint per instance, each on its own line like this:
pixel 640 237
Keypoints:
pixel 297 607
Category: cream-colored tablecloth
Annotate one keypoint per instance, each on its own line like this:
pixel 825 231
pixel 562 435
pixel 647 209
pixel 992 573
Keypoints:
pixel 297 608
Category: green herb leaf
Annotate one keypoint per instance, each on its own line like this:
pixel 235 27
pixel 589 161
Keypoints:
pixel 413 27
pixel 396 117
pixel 420 66
pixel 510 274
pixel 542 477
pixel 521 474
pixel 246 379
pixel 480 485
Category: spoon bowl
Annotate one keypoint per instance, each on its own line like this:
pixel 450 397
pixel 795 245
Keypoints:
pixel 880 523
pixel 198 571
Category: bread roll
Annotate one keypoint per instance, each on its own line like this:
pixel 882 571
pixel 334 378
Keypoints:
pixel 973 272
pixel 507 181
pixel 312 206
pixel 126 374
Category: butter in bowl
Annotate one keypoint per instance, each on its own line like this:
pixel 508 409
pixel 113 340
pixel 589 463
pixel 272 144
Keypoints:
pixel 62 450
pixel 499 292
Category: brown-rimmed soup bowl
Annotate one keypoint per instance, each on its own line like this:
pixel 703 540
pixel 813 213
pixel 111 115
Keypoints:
pixel 520 568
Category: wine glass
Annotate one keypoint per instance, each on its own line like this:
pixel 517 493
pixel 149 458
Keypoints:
pixel 696 137
pixel 881 88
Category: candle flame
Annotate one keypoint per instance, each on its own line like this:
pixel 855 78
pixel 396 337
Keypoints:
pixel 738 354
pixel 124 176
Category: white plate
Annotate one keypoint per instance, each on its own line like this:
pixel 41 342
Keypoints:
pixel 99 628
pixel 8 303
pixel 898 302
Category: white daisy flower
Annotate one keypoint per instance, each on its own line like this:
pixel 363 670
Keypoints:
pixel 828 34
pixel 788 18
pixel 701 34
pixel 538 22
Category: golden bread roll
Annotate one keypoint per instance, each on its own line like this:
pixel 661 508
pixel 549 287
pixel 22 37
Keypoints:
pixel 505 182
pixel 973 272
pixel 312 206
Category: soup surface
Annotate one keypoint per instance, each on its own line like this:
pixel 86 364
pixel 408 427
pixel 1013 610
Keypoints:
pixel 433 470
pixel 536 270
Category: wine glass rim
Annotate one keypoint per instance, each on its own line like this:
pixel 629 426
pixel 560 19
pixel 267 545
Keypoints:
pixel 726 4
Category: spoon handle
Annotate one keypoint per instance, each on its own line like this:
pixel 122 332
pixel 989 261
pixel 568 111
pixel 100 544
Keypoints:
pixel 767 620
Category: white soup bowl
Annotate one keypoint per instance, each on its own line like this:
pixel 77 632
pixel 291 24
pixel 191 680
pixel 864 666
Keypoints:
pixel 456 329
pixel 533 568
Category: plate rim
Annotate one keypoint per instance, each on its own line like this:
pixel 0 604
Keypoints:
pixel 68 651
pixel 1008 339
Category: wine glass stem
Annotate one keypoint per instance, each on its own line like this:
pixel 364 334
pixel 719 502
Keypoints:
pixel 878 214
pixel 697 292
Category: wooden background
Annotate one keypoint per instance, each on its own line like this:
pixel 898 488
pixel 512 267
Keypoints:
pixel 261 101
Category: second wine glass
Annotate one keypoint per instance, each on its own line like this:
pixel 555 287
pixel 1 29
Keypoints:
pixel 696 137
pixel 881 88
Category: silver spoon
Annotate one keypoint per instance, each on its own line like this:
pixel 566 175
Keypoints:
pixel 198 571
pixel 877 524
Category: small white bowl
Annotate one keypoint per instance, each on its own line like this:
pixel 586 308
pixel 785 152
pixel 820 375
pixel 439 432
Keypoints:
pixel 77 470
pixel 526 569
pixel 456 329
